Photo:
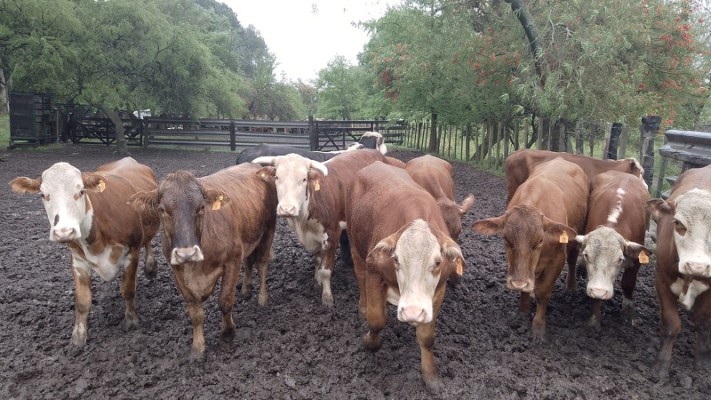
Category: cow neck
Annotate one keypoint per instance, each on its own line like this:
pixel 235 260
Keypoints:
pixel 87 224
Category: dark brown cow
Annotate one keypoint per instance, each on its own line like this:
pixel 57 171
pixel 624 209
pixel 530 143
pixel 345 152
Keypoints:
pixel 614 240
pixel 88 212
pixel 541 218
pixel 402 255
pixel 520 164
pixel 684 262
pixel 435 176
pixel 312 199
pixel 210 226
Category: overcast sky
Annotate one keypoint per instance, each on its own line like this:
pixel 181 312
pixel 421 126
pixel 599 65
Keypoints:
pixel 305 35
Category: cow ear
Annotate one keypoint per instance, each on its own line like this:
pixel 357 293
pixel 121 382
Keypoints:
pixel 580 238
pixel 489 226
pixel 315 176
pixel 453 253
pixel 93 182
pixel 467 203
pixel 25 185
pixel 635 250
pixel 215 199
pixel 145 202
pixel 558 233
pixel 267 173
pixel 659 208
pixel 383 252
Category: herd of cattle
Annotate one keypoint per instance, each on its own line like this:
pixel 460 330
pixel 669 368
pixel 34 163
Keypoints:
pixel 402 225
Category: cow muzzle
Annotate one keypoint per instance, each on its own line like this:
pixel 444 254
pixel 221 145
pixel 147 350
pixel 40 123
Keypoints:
pixel 64 234
pixel 181 255
pixel 412 315
pixel 520 285
pixel 287 210
pixel 696 268
pixel 599 293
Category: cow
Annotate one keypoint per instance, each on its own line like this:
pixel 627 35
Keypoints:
pixel 312 200
pixel 211 225
pixel 538 228
pixel 402 255
pixel 88 212
pixel 614 240
pixel 369 140
pixel 683 255
pixel 435 176
pixel 520 164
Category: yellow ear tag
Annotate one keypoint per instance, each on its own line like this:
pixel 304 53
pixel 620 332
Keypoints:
pixel 317 186
pixel 643 258
pixel 218 203
pixel 460 267
pixel 563 238
pixel 101 186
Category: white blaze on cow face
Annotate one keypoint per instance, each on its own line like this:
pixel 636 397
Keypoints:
pixel 692 232
pixel 688 290
pixel 603 253
pixel 418 268
pixel 64 199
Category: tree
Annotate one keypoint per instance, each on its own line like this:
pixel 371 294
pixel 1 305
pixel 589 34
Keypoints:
pixel 340 93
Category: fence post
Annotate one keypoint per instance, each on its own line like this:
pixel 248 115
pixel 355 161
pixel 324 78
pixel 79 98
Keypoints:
pixel 649 129
pixel 233 136
pixel 615 132
pixel 313 134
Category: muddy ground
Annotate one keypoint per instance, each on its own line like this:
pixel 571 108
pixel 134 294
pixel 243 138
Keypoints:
pixel 294 348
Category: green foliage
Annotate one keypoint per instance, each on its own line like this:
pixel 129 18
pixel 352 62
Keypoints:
pixel 4 131
pixel 340 91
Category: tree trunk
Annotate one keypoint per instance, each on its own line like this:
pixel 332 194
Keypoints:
pixel 121 146
pixel 4 102
pixel 434 142
pixel 649 129
pixel 534 40
pixel 579 142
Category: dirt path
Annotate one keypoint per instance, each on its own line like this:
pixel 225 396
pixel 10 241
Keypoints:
pixel 294 348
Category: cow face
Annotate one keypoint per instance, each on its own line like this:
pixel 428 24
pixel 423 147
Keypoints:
pixel 606 253
pixel 295 177
pixel 373 140
pixel 420 256
pixel 181 202
pixel 453 213
pixel 691 214
pixel 63 190
pixel 526 232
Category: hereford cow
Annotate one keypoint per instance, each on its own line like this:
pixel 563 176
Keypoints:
pixel 87 211
pixel 615 228
pixel 211 225
pixel 520 164
pixel 541 218
pixel 684 262
pixel 369 140
pixel 435 176
pixel 312 199
pixel 402 255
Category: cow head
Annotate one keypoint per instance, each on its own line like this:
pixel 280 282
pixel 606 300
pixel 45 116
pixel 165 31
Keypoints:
pixel 181 202
pixel 691 215
pixel 373 140
pixel 295 177
pixel 452 213
pixel 420 256
pixel 63 190
pixel 526 232
pixel 606 253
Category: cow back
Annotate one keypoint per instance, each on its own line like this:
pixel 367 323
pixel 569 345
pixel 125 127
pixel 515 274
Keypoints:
pixel 433 174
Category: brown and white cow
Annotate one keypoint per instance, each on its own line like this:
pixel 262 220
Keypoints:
pixel 211 225
pixel 614 240
pixel 88 212
pixel 402 255
pixel 435 176
pixel 520 164
pixel 540 221
pixel 684 262
pixel 312 199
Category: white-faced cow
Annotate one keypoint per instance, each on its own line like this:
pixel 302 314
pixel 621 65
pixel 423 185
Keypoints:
pixel 312 199
pixel 88 212
pixel 614 240
pixel 211 225
pixel 684 262
pixel 520 164
pixel 402 255
pixel 540 221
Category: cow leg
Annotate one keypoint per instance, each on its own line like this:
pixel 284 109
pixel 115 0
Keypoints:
pixel 701 317
pixel 425 339
pixel 345 246
pixel 376 313
pixel 629 281
pixel 128 291
pixel 150 268
pixel 226 298
pixel 543 291
pixel 262 254
pixel 245 292
pixel 596 317
pixel 524 305
pixel 359 268
pixel 197 317
pixel 82 303
pixel 571 282
pixel 324 269
pixel 670 328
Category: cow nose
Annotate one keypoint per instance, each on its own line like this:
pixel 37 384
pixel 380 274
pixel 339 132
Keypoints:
pixel 286 210
pixel 698 269
pixel 599 293
pixel 182 255
pixel 520 285
pixel 65 234
pixel 413 315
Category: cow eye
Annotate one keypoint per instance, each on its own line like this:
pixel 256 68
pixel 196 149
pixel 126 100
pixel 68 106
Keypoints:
pixel 161 210
pixel 44 197
pixel 586 256
pixel 81 192
pixel 679 227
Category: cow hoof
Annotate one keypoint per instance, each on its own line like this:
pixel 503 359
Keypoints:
pixel 150 271
pixel 129 324
pixel 702 361
pixel 228 335
pixel 660 371
pixel 539 335
pixel 79 335
pixel 197 356
pixel 594 323
pixel 262 302
pixel 372 342
pixel 78 342
pixel 245 294
pixel 327 300
pixel 434 386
